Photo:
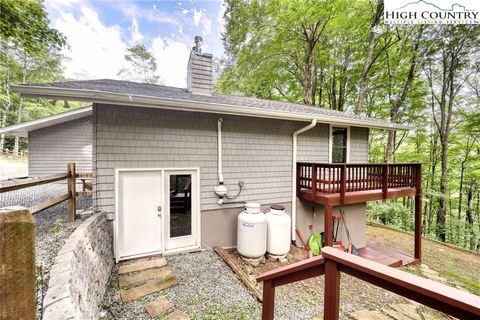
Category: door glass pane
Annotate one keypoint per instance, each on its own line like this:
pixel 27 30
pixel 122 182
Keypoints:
pixel 180 205
pixel 339 145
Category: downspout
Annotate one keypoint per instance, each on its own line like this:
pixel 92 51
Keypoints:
pixel 220 189
pixel 294 175
pixel 219 133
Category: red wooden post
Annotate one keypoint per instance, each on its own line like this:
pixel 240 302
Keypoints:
pixel 331 302
pixel 314 180
pixel 343 182
pixel 299 173
pixel 268 300
pixel 418 213
pixel 385 180
pixel 328 225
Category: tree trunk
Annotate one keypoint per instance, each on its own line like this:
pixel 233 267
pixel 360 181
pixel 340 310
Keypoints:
pixel 398 103
pixel 469 215
pixel 362 91
pixel 16 147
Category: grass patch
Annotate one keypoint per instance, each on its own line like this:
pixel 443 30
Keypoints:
pixel 471 285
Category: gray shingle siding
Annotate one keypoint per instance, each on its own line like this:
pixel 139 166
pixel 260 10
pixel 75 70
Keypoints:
pixel 312 145
pixel 359 145
pixel 51 148
pixel 255 150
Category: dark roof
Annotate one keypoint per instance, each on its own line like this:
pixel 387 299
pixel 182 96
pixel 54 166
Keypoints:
pixel 160 91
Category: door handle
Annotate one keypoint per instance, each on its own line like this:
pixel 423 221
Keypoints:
pixel 159 211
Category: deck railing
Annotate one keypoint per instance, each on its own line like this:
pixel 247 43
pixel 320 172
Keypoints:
pixel 351 177
pixel 451 301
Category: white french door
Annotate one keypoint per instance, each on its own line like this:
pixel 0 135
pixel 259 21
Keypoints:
pixel 157 211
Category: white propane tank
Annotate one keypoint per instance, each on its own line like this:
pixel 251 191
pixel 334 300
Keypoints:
pixel 278 226
pixel 252 232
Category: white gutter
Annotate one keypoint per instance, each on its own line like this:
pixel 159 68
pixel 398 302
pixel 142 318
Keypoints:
pixel 294 175
pixel 98 96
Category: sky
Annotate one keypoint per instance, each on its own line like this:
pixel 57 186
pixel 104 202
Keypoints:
pixel 99 32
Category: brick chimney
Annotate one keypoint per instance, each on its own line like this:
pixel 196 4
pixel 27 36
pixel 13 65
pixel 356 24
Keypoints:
pixel 199 70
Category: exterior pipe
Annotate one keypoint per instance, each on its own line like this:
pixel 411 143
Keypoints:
pixel 294 175
pixel 220 169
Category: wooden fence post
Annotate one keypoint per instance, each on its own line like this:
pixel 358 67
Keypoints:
pixel 72 208
pixel 17 256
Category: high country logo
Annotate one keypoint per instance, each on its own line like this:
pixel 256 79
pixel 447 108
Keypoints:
pixel 432 12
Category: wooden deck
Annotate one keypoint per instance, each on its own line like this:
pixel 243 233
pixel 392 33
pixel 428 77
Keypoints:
pixel 351 197
pixel 387 256
pixel 335 184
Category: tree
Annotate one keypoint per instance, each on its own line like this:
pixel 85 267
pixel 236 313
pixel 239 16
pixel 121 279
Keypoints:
pixel 445 73
pixel 24 35
pixel 25 24
pixel 143 65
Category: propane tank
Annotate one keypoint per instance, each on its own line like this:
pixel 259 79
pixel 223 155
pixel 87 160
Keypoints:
pixel 252 232
pixel 278 235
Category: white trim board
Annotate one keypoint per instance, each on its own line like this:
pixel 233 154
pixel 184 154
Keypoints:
pixel 22 129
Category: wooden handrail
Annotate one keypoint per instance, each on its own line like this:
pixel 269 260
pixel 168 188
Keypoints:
pixel 451 301
pixel 11 185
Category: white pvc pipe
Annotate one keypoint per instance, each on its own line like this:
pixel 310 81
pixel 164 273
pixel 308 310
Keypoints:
pixel 294 175
pixel 220 169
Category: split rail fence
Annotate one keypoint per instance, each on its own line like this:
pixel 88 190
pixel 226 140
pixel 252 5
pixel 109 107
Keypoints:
pixel 71 176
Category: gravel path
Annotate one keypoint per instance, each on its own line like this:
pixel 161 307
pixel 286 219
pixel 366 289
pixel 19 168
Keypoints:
pixel 208 289
pixel 51 227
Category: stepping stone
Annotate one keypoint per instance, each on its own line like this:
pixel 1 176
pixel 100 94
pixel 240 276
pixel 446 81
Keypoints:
pixel 126 280
pixel 406 309
pixel 142 265
pixel 369 315
pixel 398 315
pixel 147 288
pixel 178 315
pixel 158 306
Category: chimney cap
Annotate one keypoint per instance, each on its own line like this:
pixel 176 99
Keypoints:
pixel 198 44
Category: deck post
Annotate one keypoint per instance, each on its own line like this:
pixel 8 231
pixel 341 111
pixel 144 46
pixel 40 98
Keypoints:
pixel 268 300
pixel 328 225
pixel 72 208
pixel 299 174
pixel 418 214
pixel 385 180
pixel 331 302
pixel 343 182
pixel 314 180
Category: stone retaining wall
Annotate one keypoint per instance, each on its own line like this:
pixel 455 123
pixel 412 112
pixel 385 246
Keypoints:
pixel 80 273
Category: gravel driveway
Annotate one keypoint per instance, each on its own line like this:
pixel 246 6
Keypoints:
pixel 51 226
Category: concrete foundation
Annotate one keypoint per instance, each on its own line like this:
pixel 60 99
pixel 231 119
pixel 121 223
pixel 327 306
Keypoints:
pixel 219 227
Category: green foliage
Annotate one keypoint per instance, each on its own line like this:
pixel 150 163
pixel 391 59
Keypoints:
pixel 391 213
pixel 24 23
pixel 143 63
pixel 58 228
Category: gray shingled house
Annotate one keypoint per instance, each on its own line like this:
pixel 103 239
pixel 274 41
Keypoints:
pixel 163 155
pixel 57 140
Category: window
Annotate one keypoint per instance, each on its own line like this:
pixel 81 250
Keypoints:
pixel 339 145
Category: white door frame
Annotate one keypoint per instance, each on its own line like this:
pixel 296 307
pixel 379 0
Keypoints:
pixel 196 214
